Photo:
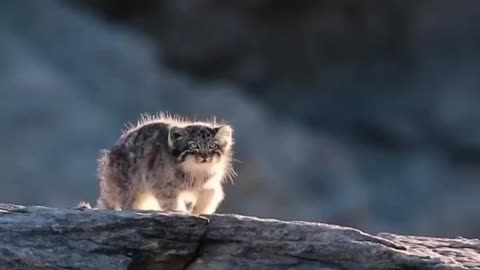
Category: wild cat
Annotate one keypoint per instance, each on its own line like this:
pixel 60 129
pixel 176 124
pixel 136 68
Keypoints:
pixel 167 163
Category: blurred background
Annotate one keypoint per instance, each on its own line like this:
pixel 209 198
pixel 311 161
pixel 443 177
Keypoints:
pixel 358 113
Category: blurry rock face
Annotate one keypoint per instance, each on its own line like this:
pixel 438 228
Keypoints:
pixel 366 115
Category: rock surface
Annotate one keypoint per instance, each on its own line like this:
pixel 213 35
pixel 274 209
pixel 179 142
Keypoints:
pixel 48 238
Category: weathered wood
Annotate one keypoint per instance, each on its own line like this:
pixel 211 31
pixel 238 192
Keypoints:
pixel 50 238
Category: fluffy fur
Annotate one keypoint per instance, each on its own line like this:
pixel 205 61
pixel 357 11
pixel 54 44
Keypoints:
pixel 167 163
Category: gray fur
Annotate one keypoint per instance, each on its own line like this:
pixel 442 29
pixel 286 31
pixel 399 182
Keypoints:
pixel 162 158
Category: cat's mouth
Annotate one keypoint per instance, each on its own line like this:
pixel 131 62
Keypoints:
pixel 203 159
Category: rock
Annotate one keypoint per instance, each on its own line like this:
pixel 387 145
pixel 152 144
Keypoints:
pixel 37 237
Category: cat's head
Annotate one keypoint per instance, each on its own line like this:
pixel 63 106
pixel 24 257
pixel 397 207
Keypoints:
pixel 201 144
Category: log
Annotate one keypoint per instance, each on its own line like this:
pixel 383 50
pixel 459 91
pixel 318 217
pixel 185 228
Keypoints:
pixel 35 237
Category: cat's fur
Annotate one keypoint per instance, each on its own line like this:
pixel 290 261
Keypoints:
pixel 167 163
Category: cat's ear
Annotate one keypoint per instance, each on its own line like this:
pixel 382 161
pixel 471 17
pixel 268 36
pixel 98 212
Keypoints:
pixel 224 134
pixel 175 134
pixel 224 131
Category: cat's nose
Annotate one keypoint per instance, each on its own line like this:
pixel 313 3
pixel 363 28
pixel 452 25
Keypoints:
pixel 201 157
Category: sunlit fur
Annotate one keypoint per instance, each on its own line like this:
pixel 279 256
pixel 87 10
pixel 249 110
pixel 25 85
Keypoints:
pixel 152 166
pixel 170 119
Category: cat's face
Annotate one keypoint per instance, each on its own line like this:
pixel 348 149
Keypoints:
pixel 200 144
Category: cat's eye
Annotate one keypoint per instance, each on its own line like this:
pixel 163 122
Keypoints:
pixel 193 145
pixel 213 146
